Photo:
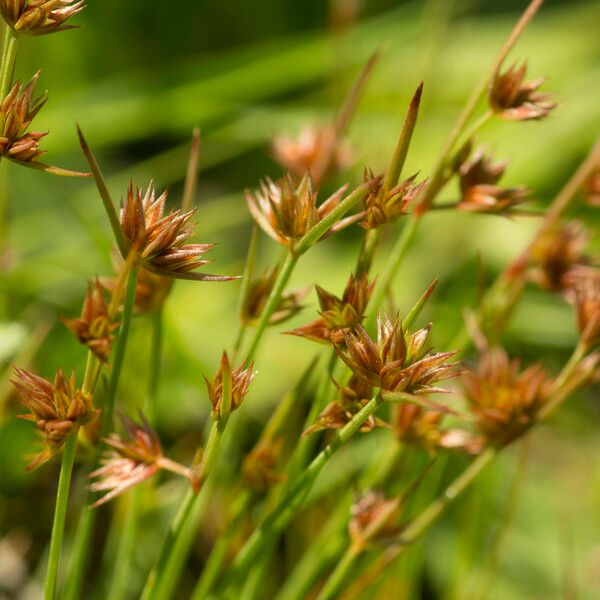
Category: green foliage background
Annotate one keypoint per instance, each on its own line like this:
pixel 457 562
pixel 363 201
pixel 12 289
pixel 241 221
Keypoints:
pixel 138 76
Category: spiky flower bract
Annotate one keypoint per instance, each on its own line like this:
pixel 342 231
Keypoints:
pixel 39 17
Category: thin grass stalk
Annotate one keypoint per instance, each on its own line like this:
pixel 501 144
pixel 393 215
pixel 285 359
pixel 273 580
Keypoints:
pixel 60 514
pixel 9 56
pixel 340 574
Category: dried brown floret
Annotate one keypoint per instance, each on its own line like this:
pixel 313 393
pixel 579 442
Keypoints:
pixel 38 17
pixel 338 315
pixel 587 306
pixel 95 327
pixel 287 212
pixel 511 97
pixel 372 518
pixel 504 400
pixel 57 408
pixel 259 469
pixel 591 190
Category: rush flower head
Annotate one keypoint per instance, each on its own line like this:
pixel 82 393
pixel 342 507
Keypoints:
pixel 511 97
pixel 397 361
pixel 388 206
pixel 504 399
pixel 338 315
pixel 257 294
pixel 558 255
pixel 94 328
pixel 287 212
pixel 38 17
pixel 132 459
pixel 478 178
pixel 587 307
pixel 350 400
pixel 161 239
pixel 259 469
pixel 317 152
pixel 241 378
pixel 372 518
pixel 591 190
pixel 57 408
pixel 19 108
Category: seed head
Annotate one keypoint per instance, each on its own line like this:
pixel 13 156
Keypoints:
pixel 94 328
pixel 256 297
pixel 503 399
pixel 57 408
pixel 316 149
pixel 388 206
pixel 287 212
pixel 511 97
pixel 478 178
pixel 160 239
pixel 591 190
pixel 372 518
pixel 241 378
pixel 19 108
pixel 587 307
pixel 338 316
pixel 38 17
pixel 259 469
pixel 397 361
pixel 558 256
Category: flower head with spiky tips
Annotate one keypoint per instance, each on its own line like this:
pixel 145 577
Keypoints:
pixel 338 315
pixel 397 361
pixel 587 306
pixel 388 206
pixel 94 327
pixel 161 239
pixel 57 408
pixel 511 97
pixel 259 469
pixel 257 294
pixel 505 400
pixel 132 459
pixel 39 17
pixel 287 212
pixel 241 378
pixel 478 179
pixel 19 108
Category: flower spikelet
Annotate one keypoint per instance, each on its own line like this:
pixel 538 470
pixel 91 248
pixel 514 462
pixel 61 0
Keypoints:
pixel 587 307
pixel 259 469
pixel 504 399
pixel 57 408
pixel 19 108
pixel 94 328
pixel 511 97
pixel 39 17
pixel 338 316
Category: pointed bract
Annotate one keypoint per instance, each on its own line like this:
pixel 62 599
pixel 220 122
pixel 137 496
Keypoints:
pixel 39 17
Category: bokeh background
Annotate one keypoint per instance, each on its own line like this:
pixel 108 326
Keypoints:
pixel 138 76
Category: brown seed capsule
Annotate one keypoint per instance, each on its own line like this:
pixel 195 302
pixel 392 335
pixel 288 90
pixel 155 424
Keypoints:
pixel 511 97
pixel 259 469
pixel 241 378
pixel 478 178
pixel 397 361
pixel 94 328
pixel 388 206
pixel 19 108
pixel 587 306
pixel 372 518
pixel 38 17
pixel 57 408
pixel 286 212
pixel 160 239
pixel 314 147
pixel 338 315
pixel 503 399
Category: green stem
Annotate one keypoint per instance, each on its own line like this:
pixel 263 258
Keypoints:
pixel 9 55
pixel 155 360
pixel 272 303
pixel 339 576
pixel 60 513
pixel 287 507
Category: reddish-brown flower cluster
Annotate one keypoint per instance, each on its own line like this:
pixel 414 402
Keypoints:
pixel 259 469
pixel 256 297
pixel 478 178
pixel 95 327
pixel 372 518
pixel 383 206
pixel 38 17
pixel 591 189
pixel 161 239
pixel 58 409
pixel 587 307
pixel 511 97
pixel 316 152
pixel 338 316
pixel 287 212
pixel 397 361
pixel 19 108
pixel 504 400
pixel 131 460
pixel 241 378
